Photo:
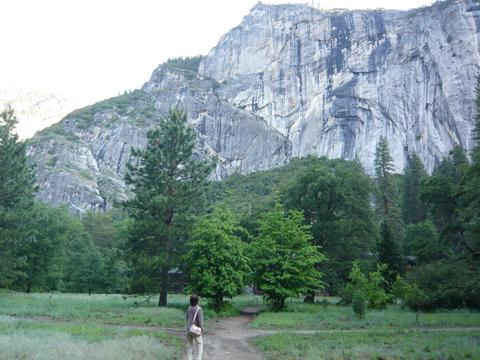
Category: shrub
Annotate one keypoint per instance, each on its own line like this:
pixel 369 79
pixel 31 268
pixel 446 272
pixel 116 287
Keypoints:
pixel 371 287
pixel 447 284
pixel 359 304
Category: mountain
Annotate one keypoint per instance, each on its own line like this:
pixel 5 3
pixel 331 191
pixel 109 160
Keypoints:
pixel 37 109
pixel 289 81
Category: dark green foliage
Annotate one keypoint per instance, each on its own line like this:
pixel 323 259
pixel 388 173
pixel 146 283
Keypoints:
pixel 414 210
pixel 108 232
pixel 45 253
pixel 167 184
pixel 217 263
pixel 421 241
pixel 389 253
pixel 187 63
pixel 470 197
pixel 334 196
pixel 442 192
pixel 359 304
pixel 447 284
pixel 283 258
pixel 59 254
pixel 84 263
pixel 16 199
pixel 410 294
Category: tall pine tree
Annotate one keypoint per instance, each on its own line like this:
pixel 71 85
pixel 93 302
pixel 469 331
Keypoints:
pixel 387 197
pixel 167 182
pixel 16 199
pixel 414 209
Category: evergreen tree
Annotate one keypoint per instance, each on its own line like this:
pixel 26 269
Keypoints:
pixel 217 263
pixel 389 253
pixel 414 210
pixel 283 258
pixel 386 184
pixel 442 193
pixel 422 242
pixel 16 199
pixel 84 264
pixel 470 213
pixel 167 183
pixel 387 197
pixel 45 253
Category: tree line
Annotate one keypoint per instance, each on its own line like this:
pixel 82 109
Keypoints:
pixel 315 225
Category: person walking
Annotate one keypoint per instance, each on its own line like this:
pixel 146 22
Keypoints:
pixel 194 333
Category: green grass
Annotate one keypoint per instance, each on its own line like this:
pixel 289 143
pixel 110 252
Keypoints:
pixel 372 345
pixel 314 317
pixel 25 339
pixel 111 309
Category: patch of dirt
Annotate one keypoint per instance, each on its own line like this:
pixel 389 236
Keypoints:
pixel 229 339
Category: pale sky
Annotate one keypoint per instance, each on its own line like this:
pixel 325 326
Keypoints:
pixel 94 49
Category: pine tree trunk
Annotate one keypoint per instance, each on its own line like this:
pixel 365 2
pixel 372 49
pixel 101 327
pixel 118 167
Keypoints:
pixel 162 300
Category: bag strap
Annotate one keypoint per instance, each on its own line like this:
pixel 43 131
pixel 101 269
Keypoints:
pixel 195 316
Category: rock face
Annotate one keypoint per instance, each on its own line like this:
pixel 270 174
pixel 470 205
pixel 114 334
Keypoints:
pixel 334 82
pixel 289 81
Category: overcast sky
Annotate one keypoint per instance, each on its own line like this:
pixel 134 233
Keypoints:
pixel 97 48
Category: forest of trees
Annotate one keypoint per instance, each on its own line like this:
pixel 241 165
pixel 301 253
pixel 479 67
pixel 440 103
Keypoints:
pixel 315 225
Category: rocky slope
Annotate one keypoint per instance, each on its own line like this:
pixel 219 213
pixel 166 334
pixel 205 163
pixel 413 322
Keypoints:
pixel 289 81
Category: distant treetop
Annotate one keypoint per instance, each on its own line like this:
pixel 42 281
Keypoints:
pixel 187 63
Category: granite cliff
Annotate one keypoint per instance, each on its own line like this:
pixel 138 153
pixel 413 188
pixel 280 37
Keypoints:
pixel 289 81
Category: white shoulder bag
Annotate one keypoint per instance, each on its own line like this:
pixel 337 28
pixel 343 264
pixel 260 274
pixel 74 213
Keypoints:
pixel 194 329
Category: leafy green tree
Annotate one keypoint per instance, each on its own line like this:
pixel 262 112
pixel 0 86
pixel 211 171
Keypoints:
pixel 371 287
pixel 389 253
pixel 359 304
pixel 17 185
pixel 167 182
pixel 217 262
pixel 414 209
pixel 421 241
pixel 409 294
pixel 334 196
pixel 283 258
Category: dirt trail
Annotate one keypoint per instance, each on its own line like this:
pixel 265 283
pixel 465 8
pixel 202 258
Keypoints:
pixel 229 339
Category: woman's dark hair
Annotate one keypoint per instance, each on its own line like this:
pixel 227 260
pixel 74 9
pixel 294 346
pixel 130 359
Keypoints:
pixel 194 299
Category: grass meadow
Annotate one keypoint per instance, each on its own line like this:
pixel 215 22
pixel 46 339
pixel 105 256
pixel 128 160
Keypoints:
pixel 392 333
pixel 334 317
pixel 78 326
pixel 27 339
pixel 58 326
pixel 376 345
